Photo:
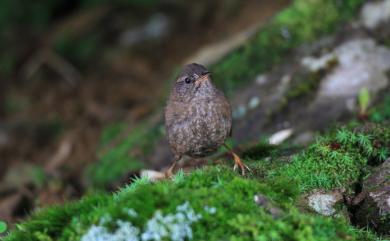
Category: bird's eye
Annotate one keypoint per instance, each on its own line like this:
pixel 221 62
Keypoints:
pixel 187 80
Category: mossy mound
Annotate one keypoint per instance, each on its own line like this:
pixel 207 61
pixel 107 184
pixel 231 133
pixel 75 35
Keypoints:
pixel 209 204
pixel 215 203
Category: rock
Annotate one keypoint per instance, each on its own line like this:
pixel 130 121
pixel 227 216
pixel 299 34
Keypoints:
pixel 374 210
pixel 375 13
pixel 304 138
pixel 324 202
pixel 361 63
pixel 280 136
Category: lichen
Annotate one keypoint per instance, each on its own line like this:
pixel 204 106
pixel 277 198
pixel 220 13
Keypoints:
pixel 175 227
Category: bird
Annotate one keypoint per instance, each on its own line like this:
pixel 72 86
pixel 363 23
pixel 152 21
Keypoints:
pixel 198 117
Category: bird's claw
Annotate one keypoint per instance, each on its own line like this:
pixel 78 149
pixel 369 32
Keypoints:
pixel 242 167
pixel 238 164
pixel 169 172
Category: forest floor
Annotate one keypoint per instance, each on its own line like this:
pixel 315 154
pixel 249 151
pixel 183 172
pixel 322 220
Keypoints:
pixel 54 116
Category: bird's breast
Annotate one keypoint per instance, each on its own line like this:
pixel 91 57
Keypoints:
pixel 209 126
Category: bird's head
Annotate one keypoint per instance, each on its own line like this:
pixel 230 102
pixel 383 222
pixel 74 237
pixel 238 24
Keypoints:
pixel 194 80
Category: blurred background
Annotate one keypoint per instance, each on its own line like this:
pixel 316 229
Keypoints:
pixel 74 73
pixel 83 83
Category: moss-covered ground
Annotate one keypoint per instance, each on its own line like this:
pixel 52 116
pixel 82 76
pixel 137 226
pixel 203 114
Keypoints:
pixel 214 203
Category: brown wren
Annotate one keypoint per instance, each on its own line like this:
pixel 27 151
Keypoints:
pixel 198 117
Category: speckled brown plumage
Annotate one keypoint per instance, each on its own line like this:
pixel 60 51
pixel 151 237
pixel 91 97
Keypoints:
pixel 198 117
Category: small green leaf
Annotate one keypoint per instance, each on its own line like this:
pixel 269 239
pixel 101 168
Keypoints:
pixel 3 226
pixel 364 100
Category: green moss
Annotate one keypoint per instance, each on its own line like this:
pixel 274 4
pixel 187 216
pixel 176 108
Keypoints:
pixel 294 26
pixel 338 160
pixel 3 227
pixel 48 224
pixel 236 216
pixel 117 159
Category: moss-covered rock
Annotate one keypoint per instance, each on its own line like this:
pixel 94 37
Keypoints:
pixel 298 24
pixel 338 160
pixel 209 204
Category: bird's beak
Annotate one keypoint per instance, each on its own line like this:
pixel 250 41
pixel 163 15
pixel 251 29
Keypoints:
pixel 202 79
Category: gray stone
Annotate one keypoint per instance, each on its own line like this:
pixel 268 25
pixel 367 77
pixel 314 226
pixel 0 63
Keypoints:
pixel 324 202
pixel 375 13
pixel 304 138
pixel 361 63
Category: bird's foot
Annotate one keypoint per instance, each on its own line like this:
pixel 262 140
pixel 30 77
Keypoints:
pixel 169 173
pixel 239 164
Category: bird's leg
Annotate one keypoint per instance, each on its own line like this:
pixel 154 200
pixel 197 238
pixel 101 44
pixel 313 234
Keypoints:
pixel 169 172
pixel 237 161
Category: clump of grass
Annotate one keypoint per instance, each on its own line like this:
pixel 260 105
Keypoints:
pixel 338 160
